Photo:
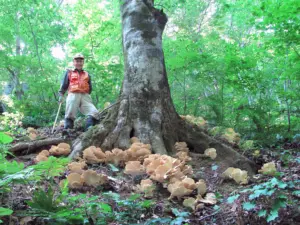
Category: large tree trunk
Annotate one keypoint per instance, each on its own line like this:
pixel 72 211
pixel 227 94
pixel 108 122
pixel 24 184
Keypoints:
pixel 146 109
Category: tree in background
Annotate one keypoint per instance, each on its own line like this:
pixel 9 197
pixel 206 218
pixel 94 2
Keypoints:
pixel 235 63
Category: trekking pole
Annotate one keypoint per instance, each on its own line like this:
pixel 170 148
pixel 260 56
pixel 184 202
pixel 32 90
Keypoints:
pixel 56 117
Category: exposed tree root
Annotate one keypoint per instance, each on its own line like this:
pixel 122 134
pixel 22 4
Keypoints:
pixel 116 130
pixel 31 146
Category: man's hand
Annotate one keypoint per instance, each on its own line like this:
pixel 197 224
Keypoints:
pixel 60 99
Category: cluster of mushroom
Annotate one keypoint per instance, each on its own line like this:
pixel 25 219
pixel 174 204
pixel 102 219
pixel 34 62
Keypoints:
pixel 199 202
pixel 173 173
pixel 238 175
pixel 147 187
pixel 231 136
pixel 199 121
pixel 78 176
pixel 32 133
pixel 137 152
pixel 268 169
pixel 241 176
pixel 60 149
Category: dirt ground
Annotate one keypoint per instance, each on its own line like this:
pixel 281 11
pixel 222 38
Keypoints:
pixel 207 169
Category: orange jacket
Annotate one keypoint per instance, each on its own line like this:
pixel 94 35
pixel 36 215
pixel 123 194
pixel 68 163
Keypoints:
pixel 79 81
pixel 76 82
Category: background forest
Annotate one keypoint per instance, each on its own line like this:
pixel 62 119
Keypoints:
pixel 234 63
pixel 234 73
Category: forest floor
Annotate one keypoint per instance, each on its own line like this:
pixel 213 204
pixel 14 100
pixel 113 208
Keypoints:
pixel 234 206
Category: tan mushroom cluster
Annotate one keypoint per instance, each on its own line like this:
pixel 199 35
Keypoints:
pixel 180 188
pixel 137 152
pixel 93 155
pixel 88 177
pixel 147 187
pixel 79 176
pixel 238 175
pixel 77 167
pixel 231 136
pixel 173 173
pixel 116 156
pixel 199 121
pixel 60 149
pixel 211 153
pixel 32 133
pixel 199 202
pixel 163 168
pixel 134 168
pixel 268 169
pixel 182 151
pixel 42 156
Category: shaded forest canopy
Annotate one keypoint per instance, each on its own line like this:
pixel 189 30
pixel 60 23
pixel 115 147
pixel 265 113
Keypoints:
pixel 234 64
pixel 212 83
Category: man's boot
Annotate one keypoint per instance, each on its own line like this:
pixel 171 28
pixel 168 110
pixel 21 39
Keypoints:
pixel 69 123
pixel 91 121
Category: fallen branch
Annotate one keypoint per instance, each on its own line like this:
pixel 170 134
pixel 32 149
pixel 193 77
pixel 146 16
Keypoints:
pixel 31 145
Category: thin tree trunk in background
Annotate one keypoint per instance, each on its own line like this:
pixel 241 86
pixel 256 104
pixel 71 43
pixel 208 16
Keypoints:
pixel 197 106
pixel 287 83
pixel 222 107
pixel 39 57
pixel 185 97
pixel 17 87
pixel 288 108
pixel 15 81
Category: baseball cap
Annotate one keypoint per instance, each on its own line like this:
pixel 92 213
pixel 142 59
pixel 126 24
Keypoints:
pixel 78 56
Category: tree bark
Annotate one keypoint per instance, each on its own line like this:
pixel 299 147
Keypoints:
pixel 15 81
pixel 146 109
pixel 33 145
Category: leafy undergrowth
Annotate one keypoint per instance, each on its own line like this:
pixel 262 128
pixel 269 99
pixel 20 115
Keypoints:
pixel 34 193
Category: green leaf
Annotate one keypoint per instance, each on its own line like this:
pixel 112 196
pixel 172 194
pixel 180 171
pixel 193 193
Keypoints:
pixel 231 199
pixel 113 167
pixel 158 221
pixel 248 206
pixel 177 213
pixel 258 193
pixel 19 176
pixel 93 198
pixel 43 200
pixel 50 168
pixel 272 215
pixel 106 208
pixel 282 185
pixel 178 221
pixel 297 193
pixel 112 195
pixel 147 204
pixel 214 167
pixel 134 197
pixel 5 139
pixel 5 211
pixel 269 193
pixel 246 190
pixel 216 207
pixel 274 181
pixel 262 213
pixel 279 202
